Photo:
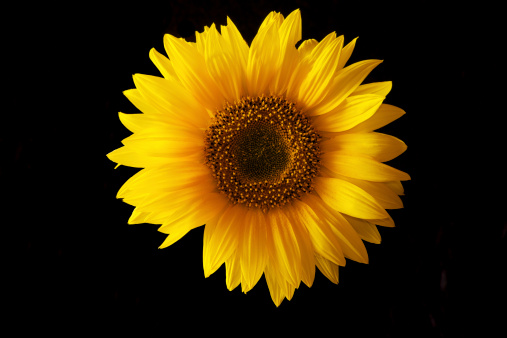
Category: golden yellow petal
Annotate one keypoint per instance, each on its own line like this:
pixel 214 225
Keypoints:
pixel 236 43
pixel 138 216
pixel 171 100
pixel 275 289
pixel 263 59
pixel 128 157
pixel 323 239
pixel 352 111
pixel 306 47
pixel 138 122
pixel 346 53
pixel 349 199
pixel 221 239
pixel 349 241
pixel 377 88
pixel 163 64
pixel 363 168
pixel 315 86
pixel 396 186
pixel 191 68
pixel 384 115
pixel 342 85
pixel 290 34
pixel 232 272
pixel 366 230
pixel 328 268
pixel 252 248
pixel 306 248
pixel 379 146
pixel 282 246
pixel 224 69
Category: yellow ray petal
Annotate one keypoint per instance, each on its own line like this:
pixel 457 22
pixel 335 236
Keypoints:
pixel 252 248
pixel 290 34
pixel 263 59
pixel 346 53
pixel 138 122
pixel 379 146
pixel 275 289
pixel 328 268
pixel 384 115
pixel 222 239
pixel 169 98
pixel 315 86
pixel 282 246
pixel 349 199
pixel 352 111
pixel 345 82
pixel 306 249
pixel 377 88
pixel 396 186
pixel 363 168
pixel 128 157
pixel 191 68
pixel 349 242
pixel 366 230
pixel 236 43
pixel 232 272
pixel 163 64
pixel 307 46
pixel 323 239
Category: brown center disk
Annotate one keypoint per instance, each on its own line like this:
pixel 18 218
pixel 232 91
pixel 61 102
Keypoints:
pixel 262 152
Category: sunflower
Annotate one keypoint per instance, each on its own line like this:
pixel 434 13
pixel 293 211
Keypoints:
pixel 270 146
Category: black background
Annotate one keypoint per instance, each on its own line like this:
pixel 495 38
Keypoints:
pixel 77 265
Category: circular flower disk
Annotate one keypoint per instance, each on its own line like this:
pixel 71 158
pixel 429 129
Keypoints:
pixel 262 151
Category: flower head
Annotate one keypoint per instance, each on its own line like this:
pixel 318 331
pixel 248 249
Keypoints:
pixel 271 147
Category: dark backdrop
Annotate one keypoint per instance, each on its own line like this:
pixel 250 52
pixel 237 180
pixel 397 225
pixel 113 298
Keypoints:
pixel 77 264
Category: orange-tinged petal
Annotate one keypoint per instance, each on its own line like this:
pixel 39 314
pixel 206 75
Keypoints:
pixel 328 268
pixel 273 281
pixel 366 230
pixel 232 272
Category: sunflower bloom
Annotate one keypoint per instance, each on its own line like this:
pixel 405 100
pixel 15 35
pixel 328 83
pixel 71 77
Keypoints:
pixel 271 147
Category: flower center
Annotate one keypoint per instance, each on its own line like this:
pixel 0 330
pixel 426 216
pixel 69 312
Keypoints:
pixel 262 151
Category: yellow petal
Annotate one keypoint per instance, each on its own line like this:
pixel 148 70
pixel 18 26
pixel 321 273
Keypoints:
pixel 345 82
pixel 232 272
pixel 366 230
pixel 290 34
pixel 282 246
pixel 225 70
pixel 323 239
pixel 349 199
pixel 328 268
pixel 379 146
pixel 138 122
pixel 170 99
pixel 252 249
pixel 348 240
pixel 163 64
pixel 346 53
pixel 377 88
pixel 128 157
pixel 396 186
pixel 363 168
pixel 352 111
pixel 263 59
pixel 306 249
pixel 384 115
pixel 314 88
pixel 236 43
pixel 275 289
pixel 307 46
pixel 191 68
pixel 221 239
